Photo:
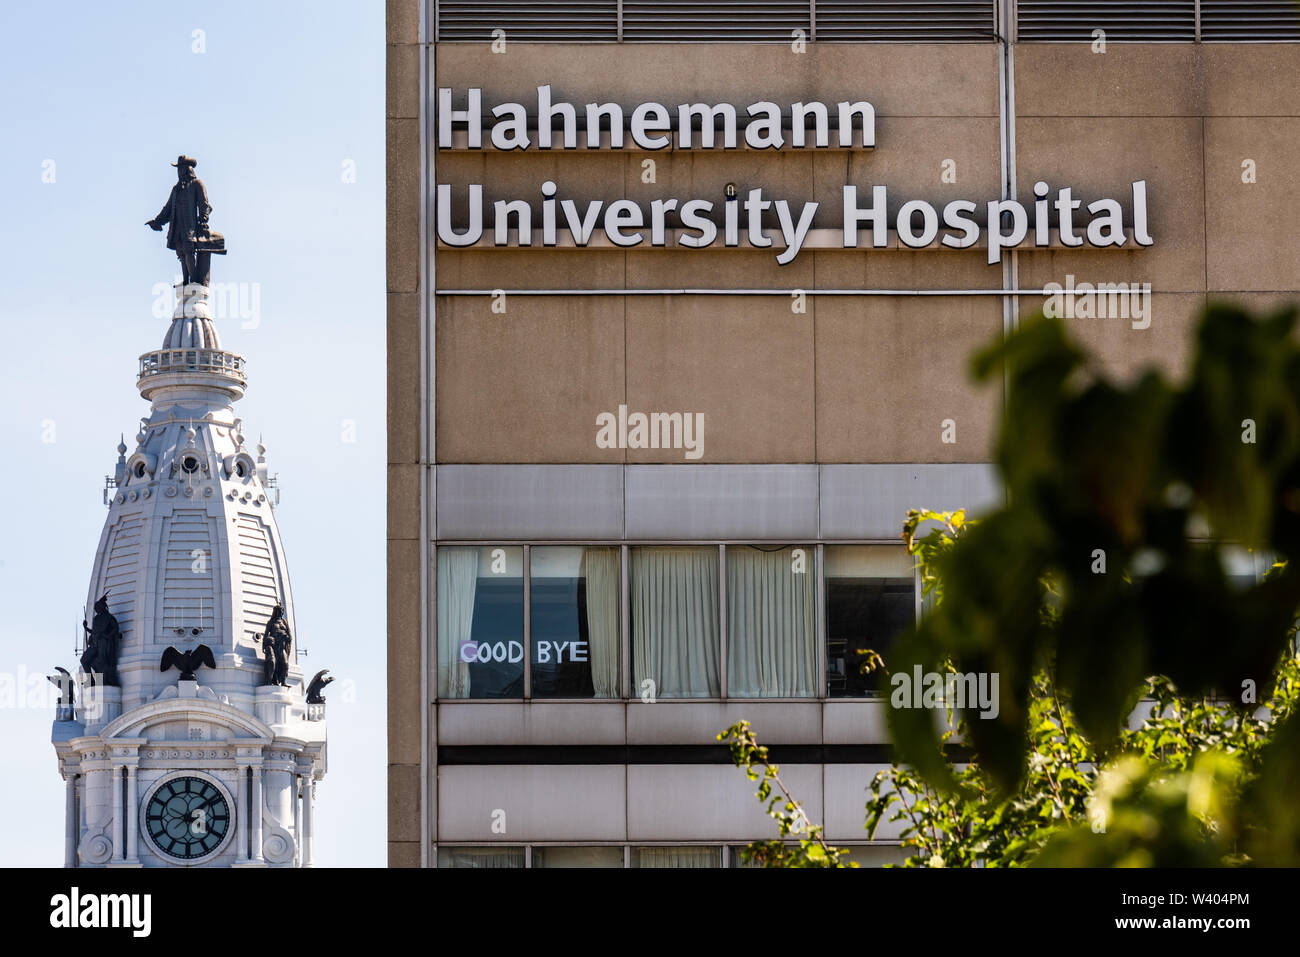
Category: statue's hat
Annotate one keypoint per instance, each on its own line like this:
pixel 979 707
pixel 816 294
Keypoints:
pixel 186 161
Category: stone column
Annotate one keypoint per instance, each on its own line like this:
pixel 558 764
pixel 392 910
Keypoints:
pixel 71 830
pixel 297 820
pixel 308 795
pixel 241 791
pixel 132 815
pixel 255 818
pixel 119 833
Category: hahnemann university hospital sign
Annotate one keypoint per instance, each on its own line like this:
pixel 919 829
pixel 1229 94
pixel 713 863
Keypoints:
pixel 653 127
pixel 681 311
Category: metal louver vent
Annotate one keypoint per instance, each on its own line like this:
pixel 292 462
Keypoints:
pixel 553 21
pixel 1147 21
pixel 902 20
pixel 840 21
pixel 1247 21
pixel 716 21
pixel 691 21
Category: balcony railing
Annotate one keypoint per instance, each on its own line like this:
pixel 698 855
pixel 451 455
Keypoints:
pixel 211 361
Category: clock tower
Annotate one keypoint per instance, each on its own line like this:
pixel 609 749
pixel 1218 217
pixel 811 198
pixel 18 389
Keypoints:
pixel 190 735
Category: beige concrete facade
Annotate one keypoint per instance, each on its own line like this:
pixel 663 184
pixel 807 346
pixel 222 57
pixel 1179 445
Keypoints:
pixel 849 380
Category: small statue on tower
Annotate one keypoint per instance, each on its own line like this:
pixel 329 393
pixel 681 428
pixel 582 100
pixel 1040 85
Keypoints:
pixel 277 643
pixel 102 639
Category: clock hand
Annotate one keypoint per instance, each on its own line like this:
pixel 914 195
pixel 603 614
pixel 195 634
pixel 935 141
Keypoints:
pixel 209 803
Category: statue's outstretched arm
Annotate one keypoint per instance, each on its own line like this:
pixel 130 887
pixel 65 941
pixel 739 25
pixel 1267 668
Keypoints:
pixel 165 216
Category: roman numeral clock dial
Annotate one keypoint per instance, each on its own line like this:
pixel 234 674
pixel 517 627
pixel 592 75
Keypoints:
pixel 187 818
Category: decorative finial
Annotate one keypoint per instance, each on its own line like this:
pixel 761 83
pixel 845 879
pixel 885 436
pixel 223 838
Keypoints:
pixel 121 445
pixel 119 472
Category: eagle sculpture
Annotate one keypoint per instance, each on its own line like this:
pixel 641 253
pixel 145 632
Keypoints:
pixel 317 685
pixel 187 661
pixel 63 681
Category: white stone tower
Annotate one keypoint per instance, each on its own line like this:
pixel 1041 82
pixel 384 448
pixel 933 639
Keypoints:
pixel 219 770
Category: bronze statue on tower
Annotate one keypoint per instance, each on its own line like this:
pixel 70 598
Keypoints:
pixel 186 215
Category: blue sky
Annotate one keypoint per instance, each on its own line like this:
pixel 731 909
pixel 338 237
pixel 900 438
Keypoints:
pixel 283 96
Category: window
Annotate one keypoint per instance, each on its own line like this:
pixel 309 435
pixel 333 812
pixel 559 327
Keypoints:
pixel 676 857
pixel 574 598
pixel 595 856
pixel 675 622
pixel 574 633
pixel 582 855
pixel 864 855
pixel 480 622
pixel 771 621
pixel 870 601
pixel 480 857
pixel 877 855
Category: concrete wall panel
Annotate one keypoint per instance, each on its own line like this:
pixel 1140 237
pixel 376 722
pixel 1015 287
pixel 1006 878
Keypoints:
pixel 709 802
pixel 847 791
pixel 683 502
pixel 745 363
pixel 890 371
pixel 1129 79
pixel 541 803
pixel 1252 229
pixel 683 722
pixel 477 502
pixel 531 723
pixel 526 385
pixel 871 501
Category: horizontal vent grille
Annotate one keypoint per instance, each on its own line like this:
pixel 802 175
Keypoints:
pixel 529 21
pixel 729 21
pixel 840 21
pixel 1152 21
pixel 1246 21
pixel 715 21
pixel 968 20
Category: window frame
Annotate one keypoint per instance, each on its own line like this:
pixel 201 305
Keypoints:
pixel 629 694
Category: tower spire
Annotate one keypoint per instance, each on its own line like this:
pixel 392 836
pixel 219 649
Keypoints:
pixel 190 572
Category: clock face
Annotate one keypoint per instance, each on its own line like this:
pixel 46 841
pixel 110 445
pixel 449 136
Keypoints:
pixel 187 818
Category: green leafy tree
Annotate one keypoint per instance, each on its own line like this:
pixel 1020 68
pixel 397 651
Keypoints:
pixel 1066 789
pixel 1104 568
pixel 802 843
pixel 1114 490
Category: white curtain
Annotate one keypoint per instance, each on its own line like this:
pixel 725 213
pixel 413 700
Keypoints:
pixel 457 583
pixel 595 856
pixel 675 621
pixel 678 857
pixel 604 583
pixel 488 857
pixel 771 623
